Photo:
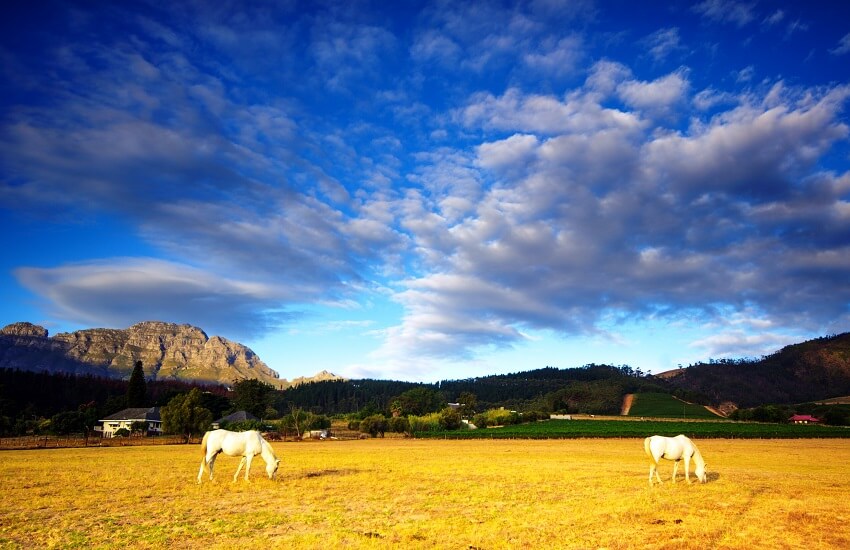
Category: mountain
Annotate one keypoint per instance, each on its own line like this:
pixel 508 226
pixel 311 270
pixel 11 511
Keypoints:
pixel 809 371
pixel 167 351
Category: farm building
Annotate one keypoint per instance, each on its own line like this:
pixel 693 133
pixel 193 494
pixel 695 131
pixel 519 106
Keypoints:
pixel 803 419
pixel 238 416
pixel 124 419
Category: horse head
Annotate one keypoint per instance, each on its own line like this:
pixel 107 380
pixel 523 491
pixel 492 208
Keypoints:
pixel 700 472
pixel 271 468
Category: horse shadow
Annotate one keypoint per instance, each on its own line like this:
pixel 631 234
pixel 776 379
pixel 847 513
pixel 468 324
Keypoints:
pixel 328 472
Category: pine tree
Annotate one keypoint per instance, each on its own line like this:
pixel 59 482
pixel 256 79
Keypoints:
pixel 137 389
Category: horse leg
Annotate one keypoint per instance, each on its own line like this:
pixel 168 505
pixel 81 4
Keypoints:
pixel 653 469
pixel 248 460
pixel 239 469
pixel 211 463
pixel 675 470
pixel 201 470
pixel 687 468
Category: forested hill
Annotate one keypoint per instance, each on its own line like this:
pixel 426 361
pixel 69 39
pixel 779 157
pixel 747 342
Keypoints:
pixel 541 389
pixel 814 370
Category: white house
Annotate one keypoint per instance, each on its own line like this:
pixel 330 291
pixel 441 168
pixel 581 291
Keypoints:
pixel 124 419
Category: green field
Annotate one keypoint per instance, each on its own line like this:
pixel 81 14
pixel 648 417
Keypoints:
pixel 662 405
pixel 569 429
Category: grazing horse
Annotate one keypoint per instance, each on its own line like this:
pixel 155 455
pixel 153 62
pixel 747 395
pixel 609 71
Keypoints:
pixel 245 444
pixel 673 448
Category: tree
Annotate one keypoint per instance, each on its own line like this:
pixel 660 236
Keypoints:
pixel 137 389
pixel 468 403
pixel 252 396
pixel 139 427
pixel 419 401
pixel 374 425
pixel 184 415
pixel 68 422
pixel 450 419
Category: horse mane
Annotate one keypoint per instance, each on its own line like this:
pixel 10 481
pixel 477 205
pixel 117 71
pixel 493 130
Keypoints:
pixel 697 455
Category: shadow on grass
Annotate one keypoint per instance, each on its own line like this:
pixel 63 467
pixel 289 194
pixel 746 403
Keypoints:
pixel 326 473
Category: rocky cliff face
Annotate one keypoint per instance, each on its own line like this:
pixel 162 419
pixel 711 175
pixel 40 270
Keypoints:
pixel 166 350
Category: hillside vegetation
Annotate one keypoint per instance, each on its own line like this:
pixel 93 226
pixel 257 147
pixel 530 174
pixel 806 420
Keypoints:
pixel 810 371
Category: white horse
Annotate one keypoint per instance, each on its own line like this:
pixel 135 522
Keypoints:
pixel 245 444
pixel 673 448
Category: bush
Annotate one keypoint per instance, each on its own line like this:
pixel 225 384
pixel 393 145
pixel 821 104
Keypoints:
pixel 354 425
pixel 121 432
pixel 450 419
pixel 374 425
pixel 480 420
pixel 399 425
pixel 426 423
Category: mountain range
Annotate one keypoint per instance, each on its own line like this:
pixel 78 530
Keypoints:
pixel 167 351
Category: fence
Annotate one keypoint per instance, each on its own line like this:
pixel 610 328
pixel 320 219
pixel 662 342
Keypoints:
pixel 80 440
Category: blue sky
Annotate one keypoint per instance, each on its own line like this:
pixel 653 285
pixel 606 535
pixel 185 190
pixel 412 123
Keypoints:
pixel 431 190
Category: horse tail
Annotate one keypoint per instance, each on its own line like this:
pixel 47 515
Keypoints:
pixel 646 447
pixel 204 443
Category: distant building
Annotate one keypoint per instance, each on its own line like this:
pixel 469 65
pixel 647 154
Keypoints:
pixel 124 419
pixel 803 419
pixel 238 416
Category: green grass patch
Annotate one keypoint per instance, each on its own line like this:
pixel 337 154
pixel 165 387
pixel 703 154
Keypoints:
pixel 569 429
pixel 663 405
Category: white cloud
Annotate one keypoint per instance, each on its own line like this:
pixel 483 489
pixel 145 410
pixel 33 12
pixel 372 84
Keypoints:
pixel 660 97
pixel 560 58
pixel 843 46
pixel 119 292
pixel 726 11
pixel 663 42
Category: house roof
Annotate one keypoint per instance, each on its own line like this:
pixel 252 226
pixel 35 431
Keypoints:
pixel 143 414
pixel 803 417
pixel 238 416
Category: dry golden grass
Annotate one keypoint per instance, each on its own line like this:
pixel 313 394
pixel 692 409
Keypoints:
pixel 430 494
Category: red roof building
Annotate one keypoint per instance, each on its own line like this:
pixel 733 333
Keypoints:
pixel 803 419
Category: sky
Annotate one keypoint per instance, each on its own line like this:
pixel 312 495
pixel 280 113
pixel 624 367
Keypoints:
pixel 428 191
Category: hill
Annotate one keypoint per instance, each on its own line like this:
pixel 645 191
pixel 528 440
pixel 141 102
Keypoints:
pixel 167 351
pixel 814 370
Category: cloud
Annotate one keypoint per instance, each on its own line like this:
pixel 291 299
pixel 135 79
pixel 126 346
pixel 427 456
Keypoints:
pixel 585 223
pixel 774 18
pixel 843 46
pixel 518 112
pixel 558 59
pixel 119 292
pixel 660 97
pixel 663 42
pixel 726 11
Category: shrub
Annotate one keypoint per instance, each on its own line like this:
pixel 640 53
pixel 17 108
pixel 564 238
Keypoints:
pixel 399 425
pixel 354 425
pixel 450 419
pixel 374 425
pixel 426 423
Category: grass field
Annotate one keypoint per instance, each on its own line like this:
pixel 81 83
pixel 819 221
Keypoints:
pixel 663 405
pixel 430 494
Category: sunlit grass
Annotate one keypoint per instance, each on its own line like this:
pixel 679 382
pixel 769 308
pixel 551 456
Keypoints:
pixel 430 494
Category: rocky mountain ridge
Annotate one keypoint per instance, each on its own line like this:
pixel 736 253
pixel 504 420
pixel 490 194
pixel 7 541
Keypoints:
pixel 168 351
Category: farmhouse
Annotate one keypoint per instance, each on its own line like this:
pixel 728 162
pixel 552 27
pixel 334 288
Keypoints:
pixel 803 419
pixel 124 419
